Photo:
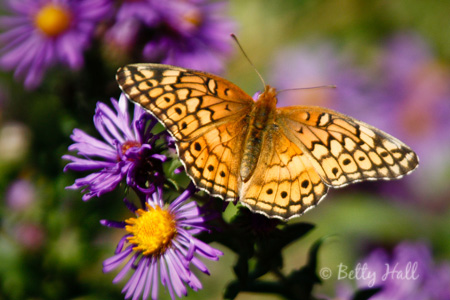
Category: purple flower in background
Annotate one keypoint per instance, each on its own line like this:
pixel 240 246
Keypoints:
pixel 415 96
pixel 191 34
pixel 414 85
pixel 20 195
pixel 408 273
pixel 194 34
pixel 40 33
pixel 31 236
pixel 161 247
pixel 319 64
pixel 131 18
pixel 128 151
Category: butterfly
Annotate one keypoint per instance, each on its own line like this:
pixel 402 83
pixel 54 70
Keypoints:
pixel 277 161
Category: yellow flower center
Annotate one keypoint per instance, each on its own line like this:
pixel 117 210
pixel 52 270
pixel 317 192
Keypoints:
pixel 129 144
pixel 53 20
pixel 153 230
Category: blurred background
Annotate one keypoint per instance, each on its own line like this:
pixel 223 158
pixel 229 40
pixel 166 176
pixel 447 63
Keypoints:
pixel 390 61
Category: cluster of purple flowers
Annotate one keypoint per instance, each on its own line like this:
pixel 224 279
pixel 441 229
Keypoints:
pixel 39 34
pixel 192 34
pixel 408 272
pixel 160 241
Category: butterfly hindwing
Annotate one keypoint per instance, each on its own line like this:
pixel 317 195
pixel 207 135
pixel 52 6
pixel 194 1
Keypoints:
pixel 187 102
pixel 284 183
pixel 213 159
pixel 343 149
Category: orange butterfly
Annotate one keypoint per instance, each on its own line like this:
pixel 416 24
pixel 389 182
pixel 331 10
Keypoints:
pixel 277 161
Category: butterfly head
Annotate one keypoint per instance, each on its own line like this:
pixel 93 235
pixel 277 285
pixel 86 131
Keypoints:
pixel 268 97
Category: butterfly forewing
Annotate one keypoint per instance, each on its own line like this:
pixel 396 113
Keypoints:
pixel 343 149
pixel 187 102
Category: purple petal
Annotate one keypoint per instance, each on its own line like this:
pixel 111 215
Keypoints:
pixel 131 285
pixel 130 205
pixel 195 283
pixel 160 157
pixel 150 278
pixel 143 279
pixel 207 251
pixel 80 164
pixel 155 280
pixel 179 287
pixel 70 53
pixel 112 224
pixel 90 146
pixel 179 263
pixel 112 262
pixel 165 279
pixel 199 265
pixel 183 197
pixel 126 268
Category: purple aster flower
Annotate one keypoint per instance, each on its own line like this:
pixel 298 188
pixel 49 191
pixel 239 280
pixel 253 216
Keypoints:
pixel 192 34
pixel 160 246
pixel 40 33
pixel 408 273
pixel 128 151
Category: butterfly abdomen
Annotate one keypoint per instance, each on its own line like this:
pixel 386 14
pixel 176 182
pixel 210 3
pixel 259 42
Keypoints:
pixel 260 118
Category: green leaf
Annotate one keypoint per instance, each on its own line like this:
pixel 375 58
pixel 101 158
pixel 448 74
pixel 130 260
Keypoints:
pixel 303 280
pixel 292 232
pixel 232 290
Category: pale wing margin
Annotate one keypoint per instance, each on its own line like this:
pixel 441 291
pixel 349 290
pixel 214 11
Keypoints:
pixel 343 149
pixel 187 102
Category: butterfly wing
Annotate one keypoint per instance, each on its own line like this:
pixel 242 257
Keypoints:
pixel 187 102
pixel 285 183
pixel 213 159
pixel 343 149
pixel 206 115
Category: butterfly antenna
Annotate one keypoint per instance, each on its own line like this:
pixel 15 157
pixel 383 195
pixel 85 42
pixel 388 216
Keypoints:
pixel 309 88
pixel 248 59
